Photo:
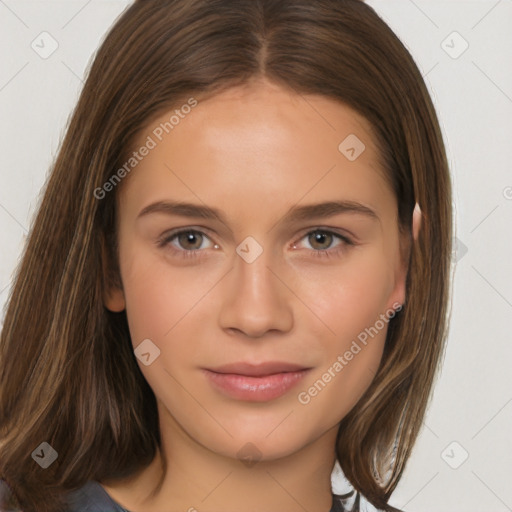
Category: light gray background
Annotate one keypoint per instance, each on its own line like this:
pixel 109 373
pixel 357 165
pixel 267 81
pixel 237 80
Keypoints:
pixel 472 404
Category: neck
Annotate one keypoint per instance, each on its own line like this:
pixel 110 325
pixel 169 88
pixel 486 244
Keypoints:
pixel 197 479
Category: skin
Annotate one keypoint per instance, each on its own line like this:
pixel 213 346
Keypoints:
pixel 254 152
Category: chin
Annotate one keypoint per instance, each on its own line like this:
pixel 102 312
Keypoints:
pixel 251 446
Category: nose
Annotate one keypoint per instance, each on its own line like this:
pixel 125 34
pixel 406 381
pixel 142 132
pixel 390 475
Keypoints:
pixel 256 298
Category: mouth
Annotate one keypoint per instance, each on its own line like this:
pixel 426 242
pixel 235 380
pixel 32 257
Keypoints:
pixel 258 370
pixel 256 383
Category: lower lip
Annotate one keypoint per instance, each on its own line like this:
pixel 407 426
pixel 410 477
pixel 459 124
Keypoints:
pixel 255 389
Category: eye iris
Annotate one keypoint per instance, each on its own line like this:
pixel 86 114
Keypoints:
pixel 188 236
pixel 320 237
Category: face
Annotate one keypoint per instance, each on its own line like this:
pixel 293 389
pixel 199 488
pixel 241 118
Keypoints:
pixel 298 305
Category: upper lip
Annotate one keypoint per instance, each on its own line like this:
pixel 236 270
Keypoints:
pixel 258 370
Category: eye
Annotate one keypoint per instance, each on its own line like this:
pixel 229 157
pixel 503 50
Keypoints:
pixel 321 240
pixel 188 242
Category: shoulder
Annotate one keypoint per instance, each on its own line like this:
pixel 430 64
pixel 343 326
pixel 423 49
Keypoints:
pixel 352 503
pixel 8 502
pixel 89 498
pixel 92 498
pixel 346 498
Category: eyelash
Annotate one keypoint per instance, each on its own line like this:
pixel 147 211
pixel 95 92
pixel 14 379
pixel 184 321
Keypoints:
pixel 167 238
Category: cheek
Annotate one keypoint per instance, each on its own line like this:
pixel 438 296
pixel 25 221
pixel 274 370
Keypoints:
pixel 351 297
pixel 157 296
pixel 145 299
pixel 352 347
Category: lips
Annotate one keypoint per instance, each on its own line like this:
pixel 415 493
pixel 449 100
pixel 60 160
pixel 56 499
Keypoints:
pixel 255 382
pixel 258 370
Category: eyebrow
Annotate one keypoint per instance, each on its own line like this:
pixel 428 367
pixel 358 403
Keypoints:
pixel 294 214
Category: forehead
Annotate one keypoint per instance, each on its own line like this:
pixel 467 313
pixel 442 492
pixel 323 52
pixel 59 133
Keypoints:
pixel 259 145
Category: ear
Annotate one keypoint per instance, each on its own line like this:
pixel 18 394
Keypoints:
pixel 398 295
pixel 416 221
pixel 113 295
pixel 113 298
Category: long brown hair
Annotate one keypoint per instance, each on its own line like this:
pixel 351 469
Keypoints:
pixel 68 375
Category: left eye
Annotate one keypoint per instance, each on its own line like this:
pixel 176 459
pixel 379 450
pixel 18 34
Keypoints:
pixel 320 237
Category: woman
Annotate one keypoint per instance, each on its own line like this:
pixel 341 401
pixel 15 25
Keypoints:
pixel 238 372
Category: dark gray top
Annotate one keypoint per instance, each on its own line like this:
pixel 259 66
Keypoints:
pixel 93 498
